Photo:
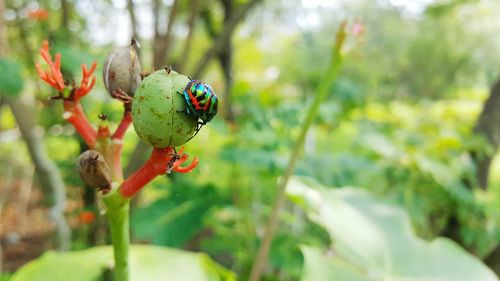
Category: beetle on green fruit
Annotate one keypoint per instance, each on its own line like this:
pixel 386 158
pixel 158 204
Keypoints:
pixel 158 113
pixel 201 101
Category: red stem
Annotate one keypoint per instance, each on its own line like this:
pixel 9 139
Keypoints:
pixel 116 150
pixel 75 115
pixel 124 124
pixel 155 166
pixel 103 131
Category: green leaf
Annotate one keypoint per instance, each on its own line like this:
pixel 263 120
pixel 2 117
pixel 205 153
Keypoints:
pixel 184 208
pixel 11 79
pixel 377 238
pixel 380 144
pixel 319 266
pixel 146 263
pixel 445 176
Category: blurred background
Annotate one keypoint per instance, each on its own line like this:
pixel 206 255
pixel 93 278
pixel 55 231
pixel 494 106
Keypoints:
pixel 413 120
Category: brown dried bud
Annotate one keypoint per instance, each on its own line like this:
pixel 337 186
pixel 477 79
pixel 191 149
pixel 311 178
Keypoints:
pixel 94 170
pixel 122 70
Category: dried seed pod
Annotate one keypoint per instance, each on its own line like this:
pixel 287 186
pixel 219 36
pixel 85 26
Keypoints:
pixel 94 170
pixel 159 110
pixel 122 70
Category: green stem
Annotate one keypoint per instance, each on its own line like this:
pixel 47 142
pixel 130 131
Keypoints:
pixel 320 94
pixel 117 209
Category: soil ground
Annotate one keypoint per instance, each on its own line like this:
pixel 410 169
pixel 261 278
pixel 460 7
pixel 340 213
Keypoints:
pixel 27 234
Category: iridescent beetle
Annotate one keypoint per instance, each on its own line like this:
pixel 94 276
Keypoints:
pixel 201 101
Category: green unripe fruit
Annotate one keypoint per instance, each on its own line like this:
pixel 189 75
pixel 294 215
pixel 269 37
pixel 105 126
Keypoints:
pixel 159 111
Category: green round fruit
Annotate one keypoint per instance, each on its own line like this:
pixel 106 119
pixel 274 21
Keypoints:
pixel 159 111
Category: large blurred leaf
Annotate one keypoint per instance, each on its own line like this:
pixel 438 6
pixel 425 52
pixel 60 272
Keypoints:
pixel 11 80
pixel 377 240
pixel 149 263
pixel 174 218
pixel 319 266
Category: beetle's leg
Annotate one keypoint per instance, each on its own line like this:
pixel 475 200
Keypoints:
pixel 198 128
pixel 185 110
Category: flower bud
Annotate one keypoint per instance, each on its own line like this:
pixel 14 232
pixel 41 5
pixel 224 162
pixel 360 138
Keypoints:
pixel 94 170
pixel 159 110
pixel 122 70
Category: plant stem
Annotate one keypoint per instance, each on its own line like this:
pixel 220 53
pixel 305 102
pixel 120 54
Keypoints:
pixel 155 166
pixel 123 126
pixel 116 147
pixel 320 94
pixel 118 202
pixel 117 209
pixel 74 114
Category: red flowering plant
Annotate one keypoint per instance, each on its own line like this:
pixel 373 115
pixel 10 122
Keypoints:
pixel 39 14
pixel 158 107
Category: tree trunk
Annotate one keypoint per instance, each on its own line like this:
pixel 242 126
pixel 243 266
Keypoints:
pixel 162 43
pixel 223 38
pixel 133 20
pixel 222 48
pixel 47 172
pixel 493 260
pixel 7 183
pixel 186 49
pixel 488 126
pixel 225 58
pixel 65 14
pixel 3 30
pixel 23 198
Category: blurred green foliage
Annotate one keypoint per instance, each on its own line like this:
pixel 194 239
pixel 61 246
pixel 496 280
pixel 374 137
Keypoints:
pixel 11 80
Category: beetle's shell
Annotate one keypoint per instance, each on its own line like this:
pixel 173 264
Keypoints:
pixel 122 70
pixel 201 100
pixel 159 111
